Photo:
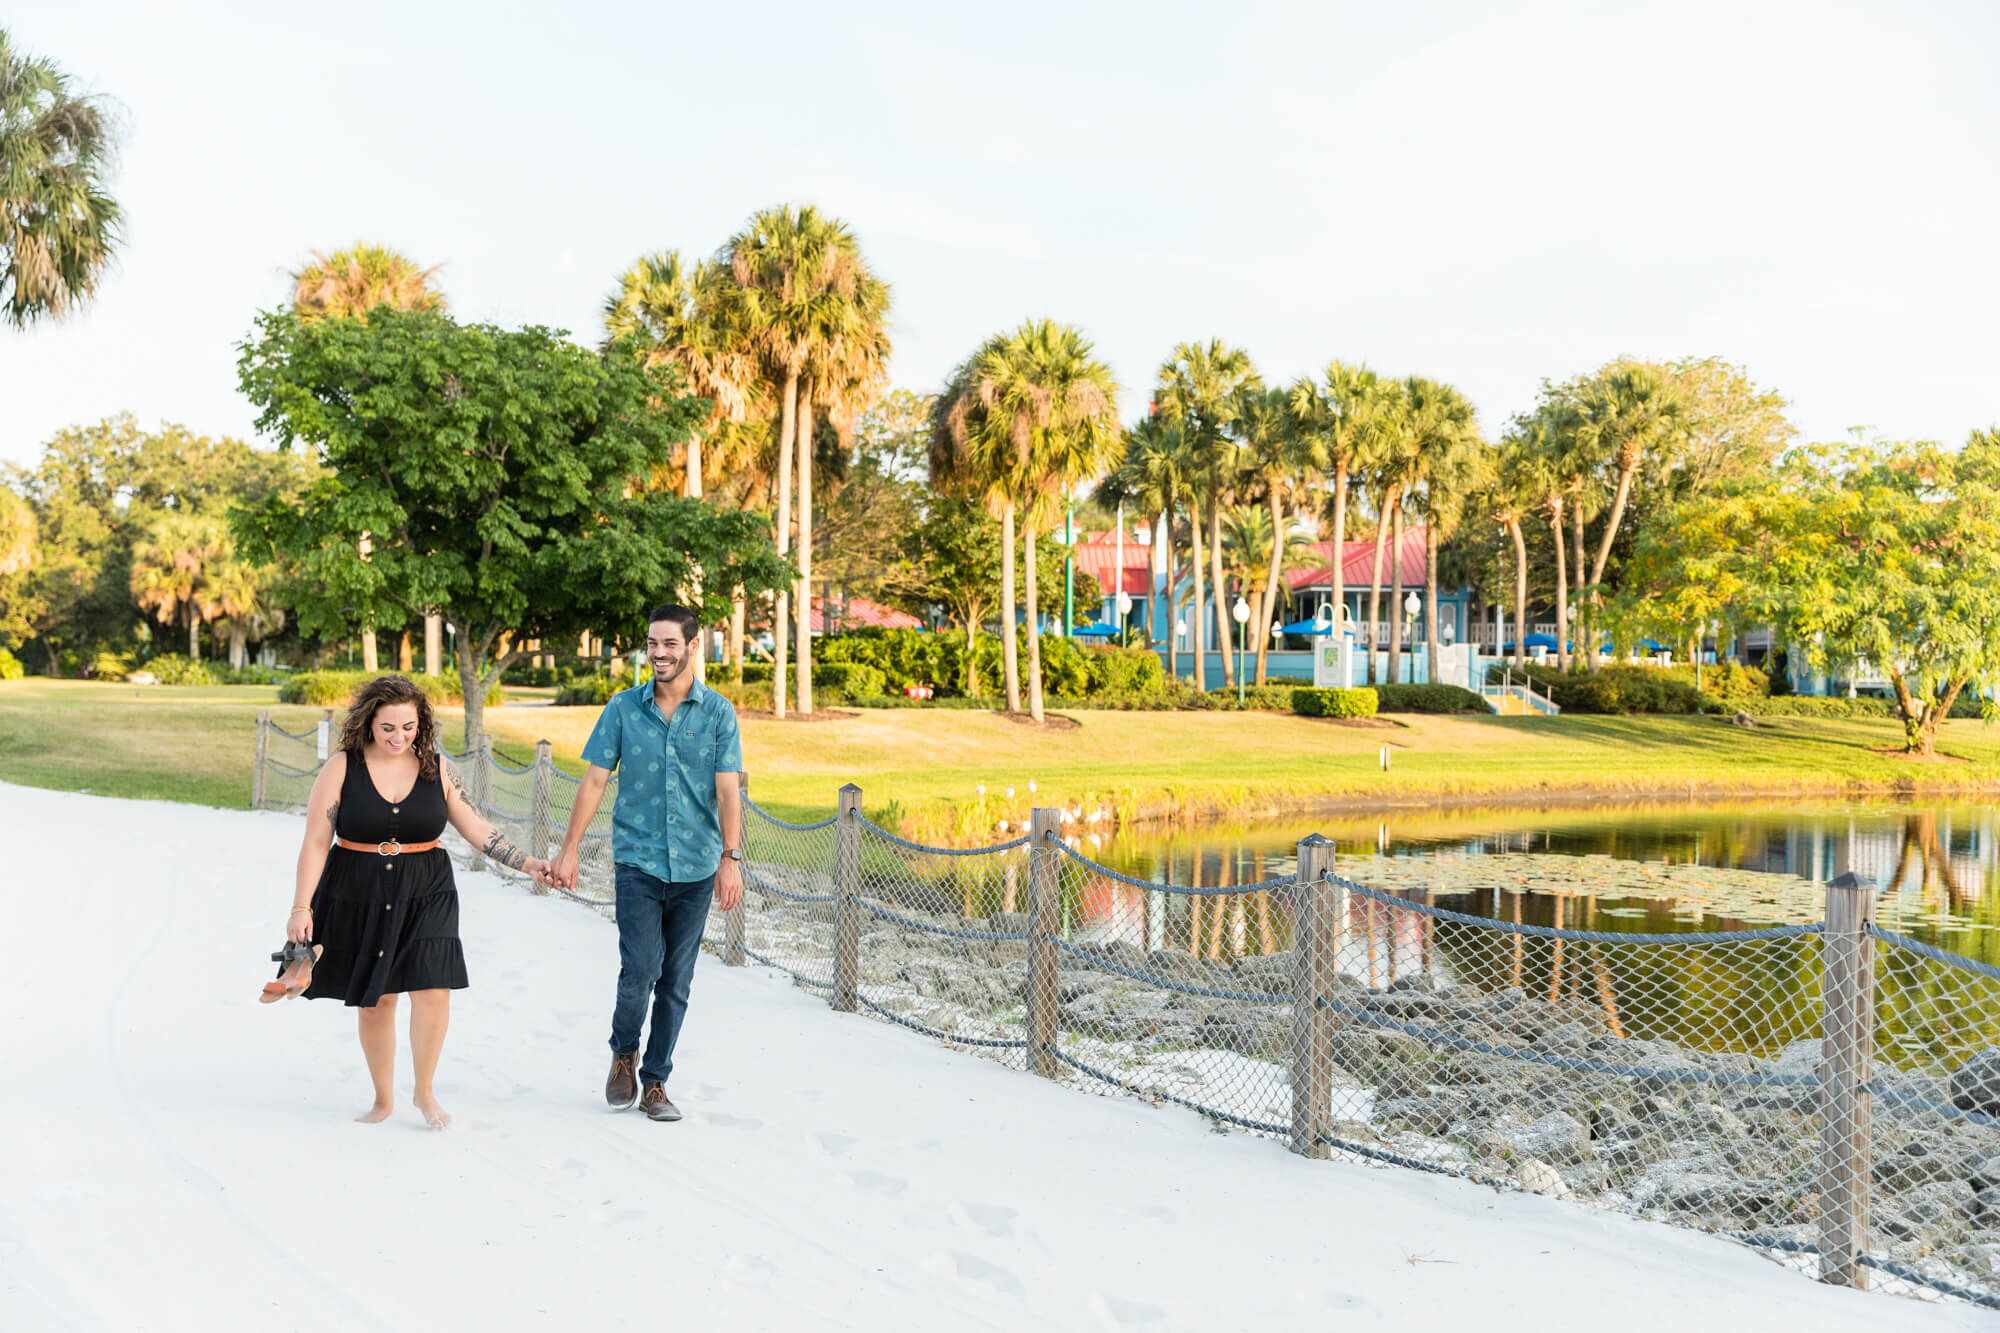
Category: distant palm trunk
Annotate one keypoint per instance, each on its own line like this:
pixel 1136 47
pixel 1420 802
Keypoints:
pixel 803 429
pixel 1562 593
pixel 1010 654
pixel 1270 598
pixel 1034 629
pixel 787 417
pixel 1215 569
pixel 1582 631
pixel 1520 593
pixel 1197 614
pixel 1431 642
pixel 1389 502
pixel 1396 598
pixel 1339 550
pixel 693 489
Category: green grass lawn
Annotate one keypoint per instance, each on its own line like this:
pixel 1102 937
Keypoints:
pixel 923 767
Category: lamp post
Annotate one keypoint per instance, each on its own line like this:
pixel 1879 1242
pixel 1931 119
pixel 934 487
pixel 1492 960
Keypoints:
pixel 1240 613
pixel 1069 563
pixel 1124 609
pixel 1411 605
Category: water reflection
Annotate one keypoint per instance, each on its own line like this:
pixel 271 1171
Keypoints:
pixel 1622 868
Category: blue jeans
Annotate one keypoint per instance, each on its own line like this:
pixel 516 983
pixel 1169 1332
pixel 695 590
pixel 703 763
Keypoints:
pixel 659 936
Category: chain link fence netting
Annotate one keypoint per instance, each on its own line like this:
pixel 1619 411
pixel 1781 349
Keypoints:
pixel 1827 1092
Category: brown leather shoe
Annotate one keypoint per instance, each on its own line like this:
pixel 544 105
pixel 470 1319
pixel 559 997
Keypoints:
pixel 655 1103
pixel 621 1090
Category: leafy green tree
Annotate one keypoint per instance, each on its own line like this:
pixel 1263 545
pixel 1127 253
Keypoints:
pixel 500 471
pixel 1198 390
pixel 244 605
pixel 1450 466
pixel 1881 553
pixel 59 227
pixel 1273 471
pixel 18 543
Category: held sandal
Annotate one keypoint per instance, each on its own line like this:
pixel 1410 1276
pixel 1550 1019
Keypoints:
pixel 296 961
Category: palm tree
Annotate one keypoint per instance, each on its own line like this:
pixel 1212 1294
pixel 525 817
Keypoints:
pixel 1448 465
pixel 1157 476
pixel 171 571
pixel 846 370
pixel 1621 416
pixel 1510 501
pixel 58 226
pixel 241 595
pixel 682 317
pixel 1335 422
pixel 971 455
pixel 800 280
pixel 1554 484
pixel 1197 390
pixel 1261 561
pixel 1272 463
pixel 1384 460
pixel 1031 415
pixel 347 284
pixel 685 318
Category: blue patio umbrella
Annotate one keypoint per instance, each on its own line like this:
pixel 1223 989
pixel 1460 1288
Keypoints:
pixel 1535 641
pixel 1649 645
pixel 1307 627
pixel 1095 631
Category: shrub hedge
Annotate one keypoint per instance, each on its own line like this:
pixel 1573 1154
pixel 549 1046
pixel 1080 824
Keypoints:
pixel 10 666
pixel 1622 689
pixel 1361 702
pixel 329 689
pixel 1428 699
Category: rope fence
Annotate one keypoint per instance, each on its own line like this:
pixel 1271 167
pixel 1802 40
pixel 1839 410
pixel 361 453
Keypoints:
pixel 1827 1093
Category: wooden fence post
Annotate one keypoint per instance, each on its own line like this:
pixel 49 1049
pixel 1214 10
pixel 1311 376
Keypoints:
pixel 732 920
pixel 847 917
pixel 1315 960
pixel 263 756
pixel 1847 996
pixel 1044 920
pixel 545 781
pixel 482 786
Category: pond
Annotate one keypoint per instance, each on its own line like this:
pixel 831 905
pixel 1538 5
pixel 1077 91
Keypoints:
pixel 1676 868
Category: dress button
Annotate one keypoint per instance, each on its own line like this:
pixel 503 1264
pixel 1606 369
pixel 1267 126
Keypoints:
pixel 388 907
pixel 379 953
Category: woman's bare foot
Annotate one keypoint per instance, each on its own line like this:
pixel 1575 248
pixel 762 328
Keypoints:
pixel 375 1114
pixel 434 1115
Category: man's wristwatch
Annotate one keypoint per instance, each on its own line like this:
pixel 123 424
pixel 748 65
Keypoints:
pixel 733 853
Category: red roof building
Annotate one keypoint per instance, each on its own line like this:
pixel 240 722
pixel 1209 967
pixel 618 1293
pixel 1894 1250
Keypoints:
pixel 1097 556
pixel 860 613
pixel 1358 564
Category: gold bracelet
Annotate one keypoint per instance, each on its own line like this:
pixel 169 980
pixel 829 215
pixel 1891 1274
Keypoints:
pixel 307 910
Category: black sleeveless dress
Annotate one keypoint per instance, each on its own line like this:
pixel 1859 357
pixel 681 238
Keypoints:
pixel 388 923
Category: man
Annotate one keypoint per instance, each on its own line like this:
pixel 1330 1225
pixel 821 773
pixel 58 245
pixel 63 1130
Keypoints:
pixel 676 839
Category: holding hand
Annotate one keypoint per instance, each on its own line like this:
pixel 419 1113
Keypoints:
pixel 299 926
pixel 563 870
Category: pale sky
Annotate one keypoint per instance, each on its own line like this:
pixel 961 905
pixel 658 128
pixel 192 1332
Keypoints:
pixel 1487 194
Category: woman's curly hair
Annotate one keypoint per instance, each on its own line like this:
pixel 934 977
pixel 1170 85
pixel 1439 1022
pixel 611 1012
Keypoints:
pixel 392 690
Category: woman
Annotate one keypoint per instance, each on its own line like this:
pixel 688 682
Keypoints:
pixel 375 889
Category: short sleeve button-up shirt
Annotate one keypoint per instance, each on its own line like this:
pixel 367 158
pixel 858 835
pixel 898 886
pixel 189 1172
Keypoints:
pixel 665 820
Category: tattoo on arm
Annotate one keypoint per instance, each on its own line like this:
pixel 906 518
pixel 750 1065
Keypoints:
pixel 458 785
pixel 503 851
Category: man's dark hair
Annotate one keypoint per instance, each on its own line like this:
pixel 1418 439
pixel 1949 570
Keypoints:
pixel 676 615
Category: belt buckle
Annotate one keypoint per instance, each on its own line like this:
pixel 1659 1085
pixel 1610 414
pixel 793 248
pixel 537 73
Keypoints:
pixel 382 848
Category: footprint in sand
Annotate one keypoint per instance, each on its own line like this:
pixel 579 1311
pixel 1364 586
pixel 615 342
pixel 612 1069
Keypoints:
pixel 990 1218
pixel 973 1271
pixel 1118 1313
pixel 731 1121
pixel 875 1182
pixel 835 1145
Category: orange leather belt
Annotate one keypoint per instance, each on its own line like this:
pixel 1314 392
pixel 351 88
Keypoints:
pixel 390 848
